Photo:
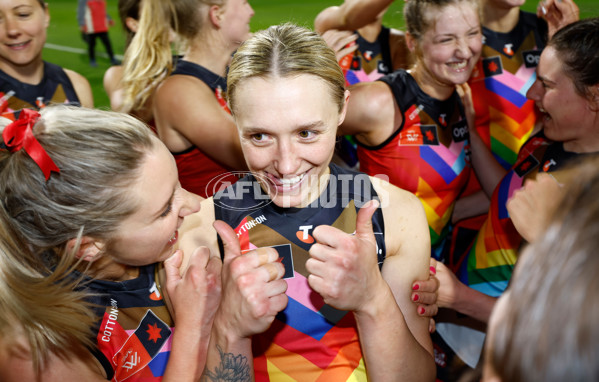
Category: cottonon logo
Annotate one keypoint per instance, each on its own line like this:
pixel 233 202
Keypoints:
pixel 227 194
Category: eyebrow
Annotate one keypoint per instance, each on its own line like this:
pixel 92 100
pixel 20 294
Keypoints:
pixel 305 126
pixel 545 80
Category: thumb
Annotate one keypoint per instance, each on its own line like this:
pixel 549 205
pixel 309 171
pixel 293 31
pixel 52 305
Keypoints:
pixel 364 220
pixel 229 238
pixel 172 266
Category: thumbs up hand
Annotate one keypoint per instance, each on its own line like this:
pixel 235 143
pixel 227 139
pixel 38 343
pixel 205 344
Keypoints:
pixel 253 290
pixel 343 267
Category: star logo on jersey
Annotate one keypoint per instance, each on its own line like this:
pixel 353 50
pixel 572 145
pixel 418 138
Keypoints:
pixel 507 49
pixel 527 165
pixel 492 66
pixel 419 135
pixel 153 332
pixel 356 63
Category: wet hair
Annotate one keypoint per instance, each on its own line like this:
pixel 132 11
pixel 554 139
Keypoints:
pixel 283 51
pixel 577 46
pixel 98 154
pixel 420 15
pixel 547 329
pixel 148 59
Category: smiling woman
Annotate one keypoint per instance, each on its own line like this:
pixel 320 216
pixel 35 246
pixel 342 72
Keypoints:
pixel 25 79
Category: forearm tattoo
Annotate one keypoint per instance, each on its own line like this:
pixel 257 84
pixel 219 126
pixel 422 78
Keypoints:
pixel 232 368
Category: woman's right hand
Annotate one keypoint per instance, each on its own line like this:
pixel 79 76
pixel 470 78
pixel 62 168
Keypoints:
pixel 253 288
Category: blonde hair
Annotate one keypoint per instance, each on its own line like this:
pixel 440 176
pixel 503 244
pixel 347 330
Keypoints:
pixel 286 50
pixel 148 59
pixel 98 154
pixel 40 305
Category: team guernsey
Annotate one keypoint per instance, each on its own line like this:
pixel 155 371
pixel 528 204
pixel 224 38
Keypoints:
pixel 491 259
pixel 135 333
pixel 370 61
pixel 55 87
pixel 309 340
pixel 198 172
pixel 427 155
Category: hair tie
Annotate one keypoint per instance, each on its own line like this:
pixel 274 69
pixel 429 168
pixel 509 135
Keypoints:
pixel 19 135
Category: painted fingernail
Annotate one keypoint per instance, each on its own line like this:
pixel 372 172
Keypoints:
pixel 433 270
pixel 420 310
pixel 415 297
pixel 415 287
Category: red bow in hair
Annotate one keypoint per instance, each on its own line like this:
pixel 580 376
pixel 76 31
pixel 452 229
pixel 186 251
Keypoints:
pixel 19 135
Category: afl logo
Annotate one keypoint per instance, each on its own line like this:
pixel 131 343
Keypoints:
pixel 245 194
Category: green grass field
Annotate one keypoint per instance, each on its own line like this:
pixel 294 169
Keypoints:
pixel 63 30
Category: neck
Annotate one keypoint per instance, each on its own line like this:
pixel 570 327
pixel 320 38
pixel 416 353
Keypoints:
pixel 371 31
pixel 430 85
pixel 211 53
pixel 31 73
pixel 499 19
pixel 107 269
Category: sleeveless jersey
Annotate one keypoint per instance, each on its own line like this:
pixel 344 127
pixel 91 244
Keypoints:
pixel 308 340
pixel 135 334
pixel 198 172
pixel 426 155
pixel 55 87
pixel 491 259
pixel 371 60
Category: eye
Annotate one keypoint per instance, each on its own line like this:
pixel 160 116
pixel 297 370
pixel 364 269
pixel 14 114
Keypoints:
pixel 306 134
pixel 258 137
pixel 167 211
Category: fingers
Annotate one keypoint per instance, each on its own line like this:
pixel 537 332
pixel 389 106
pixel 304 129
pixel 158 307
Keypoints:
pixel 364 220
pixel 427 310
pixel 172 266
pixel 229 239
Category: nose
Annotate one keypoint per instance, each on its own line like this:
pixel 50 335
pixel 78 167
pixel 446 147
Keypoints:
pixel 191 203
pixel 287 161
pixel 252 13
pixel 535 92
pixel 463 49
pixel 11 27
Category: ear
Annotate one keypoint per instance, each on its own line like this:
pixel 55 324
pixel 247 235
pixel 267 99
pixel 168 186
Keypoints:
pixel 90 249
pixel 344 109
pixel 132 24
pixel 411 42
pixel 215 13
pixel 46 16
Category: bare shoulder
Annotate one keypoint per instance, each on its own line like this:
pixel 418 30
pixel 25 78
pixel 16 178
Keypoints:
pixel 406 227
pixel 82 88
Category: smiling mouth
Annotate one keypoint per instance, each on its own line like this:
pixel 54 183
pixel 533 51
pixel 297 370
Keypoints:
pixel 17 46
pixel 174 238
pixel 458 65
pixel 287 183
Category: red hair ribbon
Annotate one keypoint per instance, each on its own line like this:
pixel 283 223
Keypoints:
pixel 19 134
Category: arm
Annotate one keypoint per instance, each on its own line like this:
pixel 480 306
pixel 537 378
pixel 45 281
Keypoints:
pixel 351 15
pixel 469 206
pixel 532 206
pixel 81 5
pixel 187 113
pixel 343 270
pixel 372 113
pixel 488 171
pixel 455 295
pixel 82 88
pixel 558 14
pixel 112 86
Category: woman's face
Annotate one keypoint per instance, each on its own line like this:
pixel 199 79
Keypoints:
pixel 566 115
pixel 450 49
pixel 23 26
pixel 236 23
pixel 149 234
pixel 288 129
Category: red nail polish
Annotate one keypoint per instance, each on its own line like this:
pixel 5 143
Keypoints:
pixel 433 270
pixel 415 297
pixel 415 287
pixel 420 310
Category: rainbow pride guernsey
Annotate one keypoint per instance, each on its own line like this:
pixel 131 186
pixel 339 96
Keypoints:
pixel 371 60
pixel 505 118
pixel 491 259
pixel 135 333
pixel 426 155
pixel 308 340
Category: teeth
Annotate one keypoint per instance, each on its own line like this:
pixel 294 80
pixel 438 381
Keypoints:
pixel 17 45
pixel 291 181
pixel 458 65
